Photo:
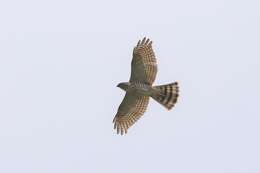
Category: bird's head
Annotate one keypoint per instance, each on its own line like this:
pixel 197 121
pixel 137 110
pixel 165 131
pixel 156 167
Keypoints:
pixel 123 85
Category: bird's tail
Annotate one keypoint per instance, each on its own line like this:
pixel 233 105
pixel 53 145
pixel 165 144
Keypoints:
pixel 166 95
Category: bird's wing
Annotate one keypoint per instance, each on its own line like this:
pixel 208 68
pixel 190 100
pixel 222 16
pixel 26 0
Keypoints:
pixel 130 110
pixel 143 66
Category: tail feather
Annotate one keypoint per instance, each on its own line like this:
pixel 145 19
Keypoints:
pixel 166 95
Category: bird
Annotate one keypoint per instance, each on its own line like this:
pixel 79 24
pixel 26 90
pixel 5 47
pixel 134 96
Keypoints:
pixel 140 88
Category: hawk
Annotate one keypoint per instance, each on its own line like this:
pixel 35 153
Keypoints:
pixel 139 88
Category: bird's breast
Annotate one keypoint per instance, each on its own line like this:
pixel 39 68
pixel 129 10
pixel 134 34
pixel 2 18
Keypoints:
pixel 141 88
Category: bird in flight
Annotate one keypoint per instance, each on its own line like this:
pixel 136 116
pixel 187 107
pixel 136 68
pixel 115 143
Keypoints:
pixel 139 88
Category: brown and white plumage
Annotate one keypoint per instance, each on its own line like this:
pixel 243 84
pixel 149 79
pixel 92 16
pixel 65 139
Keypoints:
pixel 167 95
pixel 139 88
pixel 129 111
pixel 143 66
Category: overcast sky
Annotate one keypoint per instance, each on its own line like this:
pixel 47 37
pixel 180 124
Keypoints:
pixel 60 62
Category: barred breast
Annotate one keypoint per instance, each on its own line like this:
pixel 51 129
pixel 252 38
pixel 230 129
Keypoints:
pixel 141 88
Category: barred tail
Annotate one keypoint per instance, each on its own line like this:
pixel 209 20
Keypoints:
pixel 166 94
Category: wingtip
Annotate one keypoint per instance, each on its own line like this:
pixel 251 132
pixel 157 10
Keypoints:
pixel 139 41
pixel 147 41
pixel 143 40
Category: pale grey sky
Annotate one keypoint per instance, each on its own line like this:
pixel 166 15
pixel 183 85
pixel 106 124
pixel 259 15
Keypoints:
pixel 60 62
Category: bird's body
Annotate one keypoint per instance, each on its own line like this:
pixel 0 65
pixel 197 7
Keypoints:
pixel 139 88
